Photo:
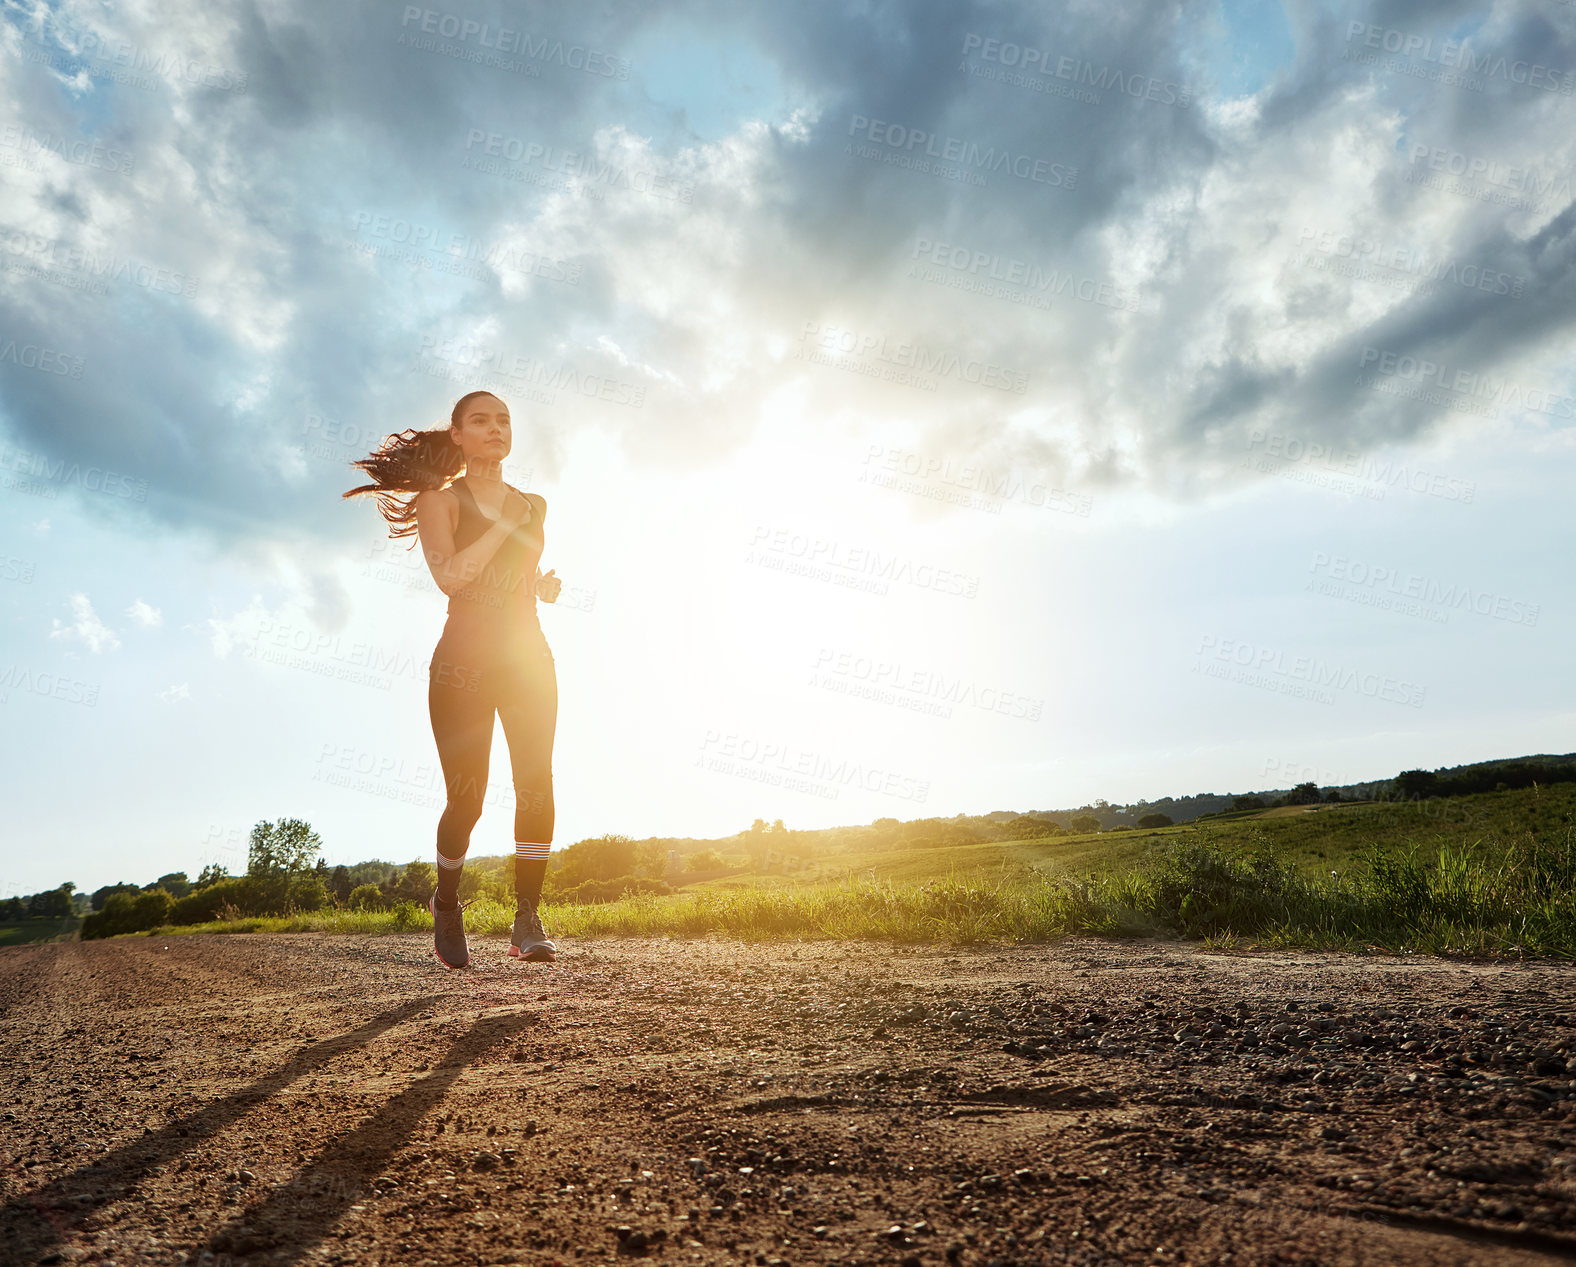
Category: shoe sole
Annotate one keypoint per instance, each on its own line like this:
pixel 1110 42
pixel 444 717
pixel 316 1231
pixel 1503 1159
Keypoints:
pixel 535 955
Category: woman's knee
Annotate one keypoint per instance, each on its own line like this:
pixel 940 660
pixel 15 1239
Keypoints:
pixel 535 794
pixel 463 811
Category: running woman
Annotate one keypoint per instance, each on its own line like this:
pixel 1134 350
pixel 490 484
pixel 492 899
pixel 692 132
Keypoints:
pixel 482 539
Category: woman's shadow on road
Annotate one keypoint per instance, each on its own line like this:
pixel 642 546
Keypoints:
pixel 293 1216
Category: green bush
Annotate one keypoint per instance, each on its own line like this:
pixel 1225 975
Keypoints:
pixel 1023 827
pixel 1204 890
pixel 202 905
pixel 250 895
pixel 477 885
pixel 1155 820
pixel 1521 891
pixel 408 916
pixel 174 883
pixel 602 858
pixel 305 892
pixel 366 897
pixel 610 890
pixel 149 910
pixel 128 913
pixel 414 884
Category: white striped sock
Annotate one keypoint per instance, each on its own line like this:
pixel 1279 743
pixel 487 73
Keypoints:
pixel 531 848
pixel 451 864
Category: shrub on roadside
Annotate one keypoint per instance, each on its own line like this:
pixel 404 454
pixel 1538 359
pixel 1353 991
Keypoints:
pixel 1203 890
pixel 306 892
pixel 128 913
pixel 208 903
pixel 408 916
pixel 415 883
pixel 250 895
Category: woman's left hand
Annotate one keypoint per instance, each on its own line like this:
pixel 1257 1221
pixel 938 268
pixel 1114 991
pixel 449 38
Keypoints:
pixel 547 586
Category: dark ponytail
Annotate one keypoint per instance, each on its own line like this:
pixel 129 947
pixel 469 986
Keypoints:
pixel 413 462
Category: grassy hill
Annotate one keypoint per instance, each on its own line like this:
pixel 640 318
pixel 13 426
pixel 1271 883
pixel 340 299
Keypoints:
pixel 1482 861
pixel 1500 773
pixel 1315 839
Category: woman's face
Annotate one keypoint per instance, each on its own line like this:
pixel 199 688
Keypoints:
pixel 484 430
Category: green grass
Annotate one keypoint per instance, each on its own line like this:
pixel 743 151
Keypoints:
pixel 21 932
pixel 1318 841
pixel 1485 897
pixel 963 910
pixel 911 865
pixel 1333 836
pixel 1493 874
pixel 1489 898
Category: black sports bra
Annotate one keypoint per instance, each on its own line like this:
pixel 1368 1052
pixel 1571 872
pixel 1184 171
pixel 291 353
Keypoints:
pixel 506 584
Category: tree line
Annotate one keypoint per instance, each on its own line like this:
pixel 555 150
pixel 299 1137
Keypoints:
pixel 286 874
pixel 285 871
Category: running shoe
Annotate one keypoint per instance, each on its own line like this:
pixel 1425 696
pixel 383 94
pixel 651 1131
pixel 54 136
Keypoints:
pixel 528 940
pixel 448 934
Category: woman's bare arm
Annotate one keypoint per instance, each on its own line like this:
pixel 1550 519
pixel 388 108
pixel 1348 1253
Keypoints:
pixel 549 592
pixel 437 514
pixel 538 505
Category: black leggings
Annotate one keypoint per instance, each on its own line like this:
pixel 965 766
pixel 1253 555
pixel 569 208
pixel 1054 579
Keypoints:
pixel 523 691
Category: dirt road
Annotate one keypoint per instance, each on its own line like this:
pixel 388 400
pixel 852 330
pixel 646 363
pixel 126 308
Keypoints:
pixel 300 1098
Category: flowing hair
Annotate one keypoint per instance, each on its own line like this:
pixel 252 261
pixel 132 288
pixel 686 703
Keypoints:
pixel 413 462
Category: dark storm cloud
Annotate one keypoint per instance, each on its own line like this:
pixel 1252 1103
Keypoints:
pixel 255 196
pixel 261 195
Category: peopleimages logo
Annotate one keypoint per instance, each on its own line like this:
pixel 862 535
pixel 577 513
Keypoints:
pixel 953 149
pixel 79 264
pixel 1425 589
pixel 505 40
pixel 403 238
pixel 1520 180
pixel 888 681
pixel 95 479
pixel 859 567
pixel 1412 261
pixel 1468 383
pixel 1039 61
pixel 819 773
pixel 471 362
pixel 913 471
pixel 1458 55
pixel 1291 449
pixel 1020 274
pixel 1308 671
pixel 46 360
pixel 50 685
pixel 919 357
pixel 83 153
pixel 587 168
pixel 124 62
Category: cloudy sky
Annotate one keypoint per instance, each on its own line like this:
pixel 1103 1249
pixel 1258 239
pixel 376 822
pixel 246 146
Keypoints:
pixel 941 407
